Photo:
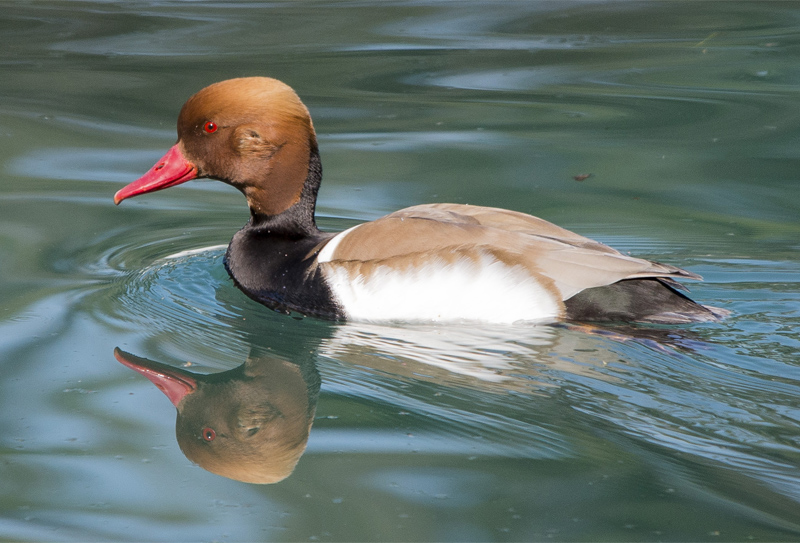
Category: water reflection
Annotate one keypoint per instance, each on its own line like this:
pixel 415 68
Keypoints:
pixel 250 423
pixel 485 356
pixel 501 358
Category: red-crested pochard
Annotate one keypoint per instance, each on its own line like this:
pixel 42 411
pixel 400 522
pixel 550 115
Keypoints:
pixel 434 262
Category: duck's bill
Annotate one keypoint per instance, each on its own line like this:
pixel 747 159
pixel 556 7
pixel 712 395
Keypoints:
pixel 175 383
pixel 173 169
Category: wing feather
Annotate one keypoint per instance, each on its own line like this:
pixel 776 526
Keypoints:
pixel 571 261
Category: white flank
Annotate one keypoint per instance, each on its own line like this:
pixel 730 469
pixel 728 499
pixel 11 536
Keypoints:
pixel 477 288
pixel 326 254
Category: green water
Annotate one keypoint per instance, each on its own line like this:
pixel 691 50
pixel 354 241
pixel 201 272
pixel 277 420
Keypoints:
pixel 684 113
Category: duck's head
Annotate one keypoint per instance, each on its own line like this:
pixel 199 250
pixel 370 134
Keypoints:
pixel 253 133
pixel 250 424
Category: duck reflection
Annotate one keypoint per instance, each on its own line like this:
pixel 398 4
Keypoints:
pixel 494 359
pixel 250 423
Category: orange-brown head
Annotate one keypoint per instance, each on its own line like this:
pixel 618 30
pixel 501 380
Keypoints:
pixel 253 133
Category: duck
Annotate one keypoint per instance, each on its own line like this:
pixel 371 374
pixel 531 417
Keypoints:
pixel 438 262
pixel 249 424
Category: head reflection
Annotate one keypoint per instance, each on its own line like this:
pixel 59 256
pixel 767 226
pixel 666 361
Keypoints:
pixel 250 423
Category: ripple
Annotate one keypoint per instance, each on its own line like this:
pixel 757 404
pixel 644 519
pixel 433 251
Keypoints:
pixel 515 79
pixel 182 303
pixel 415 141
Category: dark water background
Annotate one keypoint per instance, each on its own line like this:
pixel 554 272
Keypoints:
pixel 684 113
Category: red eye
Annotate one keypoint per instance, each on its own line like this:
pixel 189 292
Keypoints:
pixel 210 127
pixel 209 434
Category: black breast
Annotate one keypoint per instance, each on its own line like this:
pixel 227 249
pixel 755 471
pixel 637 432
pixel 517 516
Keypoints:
pixel 281 272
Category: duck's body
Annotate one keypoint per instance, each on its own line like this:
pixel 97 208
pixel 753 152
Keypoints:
pixel 437 262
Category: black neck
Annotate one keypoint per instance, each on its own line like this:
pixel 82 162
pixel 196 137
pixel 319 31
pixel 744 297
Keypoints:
pixel 297 221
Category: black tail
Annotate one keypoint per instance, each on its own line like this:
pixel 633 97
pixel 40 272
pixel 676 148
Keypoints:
pixel 650 300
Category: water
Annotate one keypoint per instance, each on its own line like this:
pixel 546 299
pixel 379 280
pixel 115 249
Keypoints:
pixel 683 114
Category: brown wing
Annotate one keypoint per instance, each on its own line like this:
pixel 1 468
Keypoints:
pixel 572 262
